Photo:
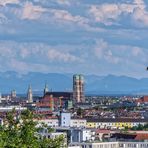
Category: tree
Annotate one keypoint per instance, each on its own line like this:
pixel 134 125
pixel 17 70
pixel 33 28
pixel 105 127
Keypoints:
pixel 21 131
pixel 80 112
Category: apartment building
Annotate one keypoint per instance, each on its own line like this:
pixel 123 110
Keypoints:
pixel 114 123
pixel 114 145
pixel 78 123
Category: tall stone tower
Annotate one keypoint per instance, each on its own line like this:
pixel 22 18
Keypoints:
pixel 29 95
pixel 46 89
pixel 51 102
pixel 13 94
pixel 78 88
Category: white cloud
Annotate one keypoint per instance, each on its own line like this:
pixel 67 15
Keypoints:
pixel 140 17
pixel 54 55
pixel 108 13
pixel 23 57
pixel 31 11
pixel 3 19
pixel 100 48
pixel 24 67
pixel 5 51
pixel 5 2
pixel 64 2
pixel 24 53
pixel 140 4
pixel 111 13
pixel 119 54
pixel 65 16
pixel 136 51
pixel 103 51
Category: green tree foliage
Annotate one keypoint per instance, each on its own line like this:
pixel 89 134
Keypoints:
pixel 80 112
pixel 21 131
pixel 140 127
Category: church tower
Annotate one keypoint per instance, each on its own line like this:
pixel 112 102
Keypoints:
pixel 29 95
pixel 46 89
pixel 78 88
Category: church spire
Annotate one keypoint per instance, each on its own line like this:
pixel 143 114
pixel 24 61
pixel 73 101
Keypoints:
pixel 29 94
pixel 46 89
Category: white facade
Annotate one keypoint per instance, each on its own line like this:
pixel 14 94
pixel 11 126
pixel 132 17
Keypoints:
pixel 49 122
pixel 114 145
pixel 10 108
pixel 78 123
pixel 65 119
pixel 74 146
pixel 88 135
pixel 79 135
pixel 45 133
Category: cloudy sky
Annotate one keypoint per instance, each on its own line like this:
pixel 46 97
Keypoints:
pixel 74 36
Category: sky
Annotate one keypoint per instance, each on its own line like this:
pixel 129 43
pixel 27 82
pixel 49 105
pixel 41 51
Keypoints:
pixel 98 37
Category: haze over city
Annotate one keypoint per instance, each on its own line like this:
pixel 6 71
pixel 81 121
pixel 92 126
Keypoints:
pixel 73 36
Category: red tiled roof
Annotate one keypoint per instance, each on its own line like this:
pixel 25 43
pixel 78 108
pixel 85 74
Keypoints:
pixel 103 131
pixel 141 137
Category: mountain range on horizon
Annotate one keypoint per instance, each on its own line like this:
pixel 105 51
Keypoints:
pixel 95 85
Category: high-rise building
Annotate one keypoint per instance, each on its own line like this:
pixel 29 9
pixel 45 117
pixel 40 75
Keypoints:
pixel 78 88
pixel 29 95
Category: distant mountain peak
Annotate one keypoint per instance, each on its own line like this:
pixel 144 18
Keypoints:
pixel 61 82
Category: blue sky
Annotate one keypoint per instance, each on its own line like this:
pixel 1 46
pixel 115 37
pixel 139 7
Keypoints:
pixel 98 37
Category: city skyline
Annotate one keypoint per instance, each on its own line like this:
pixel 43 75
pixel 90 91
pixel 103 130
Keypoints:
pixel 71 36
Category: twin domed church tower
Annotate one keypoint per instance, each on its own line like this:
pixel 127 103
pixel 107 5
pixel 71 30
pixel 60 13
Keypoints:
pixel 78 89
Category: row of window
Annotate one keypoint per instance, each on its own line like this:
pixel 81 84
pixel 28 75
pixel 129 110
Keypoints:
pixel 130 145
pixel 101 146
pixel 108 124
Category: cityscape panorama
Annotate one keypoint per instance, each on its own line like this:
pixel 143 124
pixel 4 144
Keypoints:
pixel 73 74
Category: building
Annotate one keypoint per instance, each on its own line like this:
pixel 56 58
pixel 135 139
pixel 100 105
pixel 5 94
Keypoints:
pixel 113 145
pixel 79 135
pixel 103 134
pixel 114 123
pixel 143 99
pixel 29 95
pixel 56 101
pixel 130 136
pixel 68 104
pixel 65 119
pixel 53 122
pixel 78 88
pixel 13 94
pixel 78 123
pixel 58 134
pixel 44 132
pixel 67 95
pixel 11 107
